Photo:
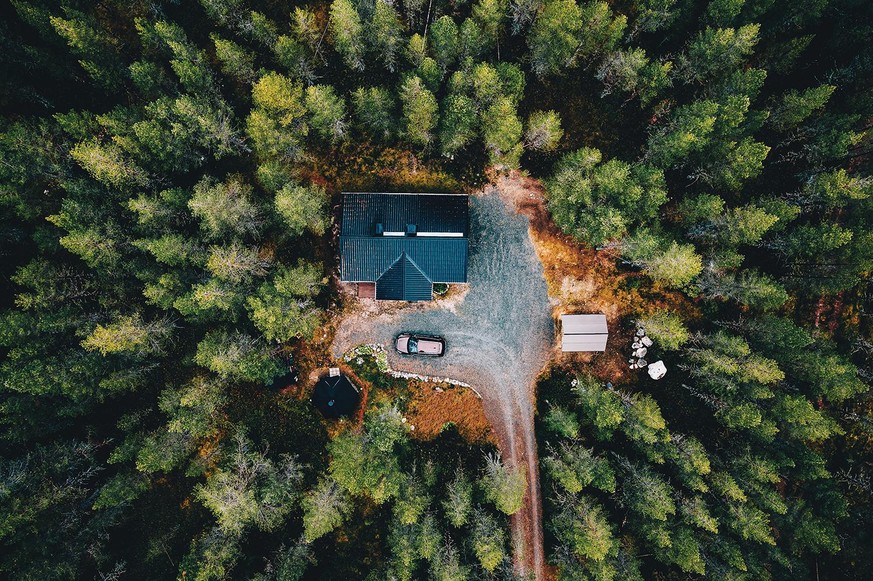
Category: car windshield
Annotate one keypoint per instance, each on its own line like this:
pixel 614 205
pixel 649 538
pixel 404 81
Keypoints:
pixel 412 346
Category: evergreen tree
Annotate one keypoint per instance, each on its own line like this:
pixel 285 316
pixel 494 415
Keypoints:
pixel 554 37
pixel 503 486
pixel 420 111
pixel 348 33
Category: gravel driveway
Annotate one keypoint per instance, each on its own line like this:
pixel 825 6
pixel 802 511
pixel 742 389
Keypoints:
pixel 497 340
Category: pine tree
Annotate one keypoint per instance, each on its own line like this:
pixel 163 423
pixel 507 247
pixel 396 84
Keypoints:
pixel 420 111
pixel 503 486
pixel 324 508
pixel 348 33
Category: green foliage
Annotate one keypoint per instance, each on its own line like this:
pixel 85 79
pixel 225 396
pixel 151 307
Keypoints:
pixel 291 562
pixel 718 50
pixel 384 34
pixel 643 421
pixel 501 131
pixel 647 494
pixel 543 131
pixel 327 112
pixel 236 62
pixel 750 288
pixel 597 201
pixel 458 123
pixel 86 40
pixel 600 408
pixel 554 37
pixel 302 208
pixel 489 16
pixel 250 490
pixel 562 421
pixel 188 62
pixel 276 124
pixel 458 500
pixel 723 12
pixel 226 208
pixel 411 503
pixel 631 72
pixel 582 526
pixel 665 329
pixel 347 31
pixel 444 41
pixel 237 356
pixel 128 334
pixel 503 486
pixel 653 15
pixel 574 468
pixel 283 308
pixel 688 131
pixel 161 231
pixel 420 111
pixel 107 164
pixel 489 541
pixel 195 410
pixel 673 264
pixel 603 29
pixel 324 509
pixel 367 463
pixel 236 263
pixel 796 107
pixel 374 108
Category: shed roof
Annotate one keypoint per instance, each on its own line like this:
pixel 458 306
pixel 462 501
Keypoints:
pixel 584 333
pixel 583 324
pixel 571 343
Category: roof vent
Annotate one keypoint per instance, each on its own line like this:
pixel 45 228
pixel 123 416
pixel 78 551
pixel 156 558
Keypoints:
pixel 380 229
pixel 410 230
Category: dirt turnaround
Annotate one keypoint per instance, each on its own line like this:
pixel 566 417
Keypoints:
pixel 498 334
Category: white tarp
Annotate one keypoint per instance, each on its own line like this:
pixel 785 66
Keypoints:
pixel 657 370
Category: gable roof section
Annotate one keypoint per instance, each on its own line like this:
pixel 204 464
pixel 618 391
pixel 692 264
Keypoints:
pixel 439 259
pixel 404 281
pixel 442 213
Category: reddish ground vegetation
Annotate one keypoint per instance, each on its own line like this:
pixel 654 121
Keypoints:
pixel 430 410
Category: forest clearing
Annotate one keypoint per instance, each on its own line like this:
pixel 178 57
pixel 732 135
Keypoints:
pixel 191 191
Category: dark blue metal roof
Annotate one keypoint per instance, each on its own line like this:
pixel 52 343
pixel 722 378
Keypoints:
pixel 427 212
pixel 404 281
pixel 440 259
pixel 404 266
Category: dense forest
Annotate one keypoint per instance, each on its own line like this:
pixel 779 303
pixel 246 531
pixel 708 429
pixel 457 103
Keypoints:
pixel 169 181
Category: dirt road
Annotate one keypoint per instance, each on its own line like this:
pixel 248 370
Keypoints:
pixel 498 339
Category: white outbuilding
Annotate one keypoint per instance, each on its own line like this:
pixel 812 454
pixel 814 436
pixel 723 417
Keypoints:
pixel 583 333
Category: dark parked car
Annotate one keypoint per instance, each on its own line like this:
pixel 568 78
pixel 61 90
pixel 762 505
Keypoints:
pixel 428 345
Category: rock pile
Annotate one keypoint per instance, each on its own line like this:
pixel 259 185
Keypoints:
pixel 640 346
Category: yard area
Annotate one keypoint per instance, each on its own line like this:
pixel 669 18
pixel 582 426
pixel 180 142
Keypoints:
pixel 498 333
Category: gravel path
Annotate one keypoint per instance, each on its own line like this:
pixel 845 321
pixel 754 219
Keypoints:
pixel 497 338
